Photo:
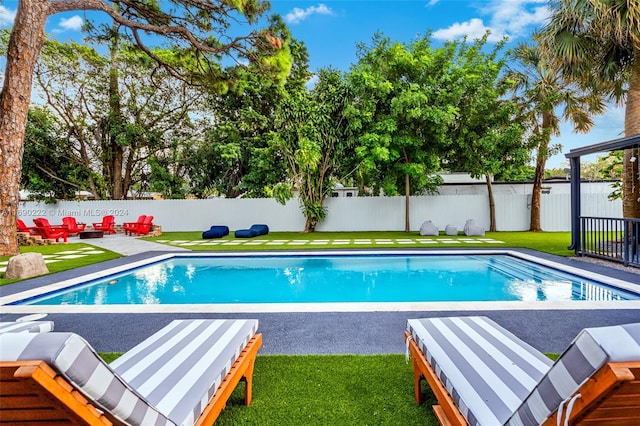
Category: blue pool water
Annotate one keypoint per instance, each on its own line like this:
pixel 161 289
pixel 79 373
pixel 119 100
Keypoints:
pixel 307 279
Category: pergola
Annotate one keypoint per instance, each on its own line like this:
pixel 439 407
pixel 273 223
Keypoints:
pixel 574 159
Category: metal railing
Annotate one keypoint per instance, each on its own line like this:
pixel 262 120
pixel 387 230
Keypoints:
pixel 611 238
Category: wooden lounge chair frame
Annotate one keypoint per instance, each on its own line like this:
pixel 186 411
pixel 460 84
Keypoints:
pixel 611 396
pixel 33 391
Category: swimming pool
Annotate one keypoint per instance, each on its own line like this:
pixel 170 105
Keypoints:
pixel 334 278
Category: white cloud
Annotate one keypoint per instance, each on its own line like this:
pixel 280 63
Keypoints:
pixel 473 29
pixel 432 3
pixel 74 23
pixel 298 15
pixel 6 16
pixel 511 18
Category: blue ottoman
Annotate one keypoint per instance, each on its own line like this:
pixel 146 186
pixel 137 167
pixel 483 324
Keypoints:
pixel 245 233
pixel 260 229
pixel 215 232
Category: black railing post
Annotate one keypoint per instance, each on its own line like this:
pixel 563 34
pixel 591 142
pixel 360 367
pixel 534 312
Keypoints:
pixel 600 237
pixel 575 204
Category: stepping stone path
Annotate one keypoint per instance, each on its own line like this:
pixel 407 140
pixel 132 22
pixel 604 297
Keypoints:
pixel 61 256
pixel 414 242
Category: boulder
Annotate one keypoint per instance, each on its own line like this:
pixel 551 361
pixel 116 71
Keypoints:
pixel 26 265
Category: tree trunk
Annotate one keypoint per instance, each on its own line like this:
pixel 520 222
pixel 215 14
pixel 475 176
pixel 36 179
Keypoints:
pixel 116 124
pixel 25 43
pixel 631 179
pixel 492 205
pixel 407 190
pixel 541 160
pixel 309 226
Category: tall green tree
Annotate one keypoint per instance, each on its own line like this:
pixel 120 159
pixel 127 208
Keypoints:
pixel 49 172
pixel 117 111
pixel 310 134
pixel 545 98
pixel 202 28
pixel 408 102
pixel 487 139
pixel 597 42
pixel 235 158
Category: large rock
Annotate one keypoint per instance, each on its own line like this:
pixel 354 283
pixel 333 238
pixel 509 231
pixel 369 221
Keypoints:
pixel 26 265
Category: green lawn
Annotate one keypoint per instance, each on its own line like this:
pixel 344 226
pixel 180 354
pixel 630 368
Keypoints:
pixel 65 264
pixel 329 390
pixel 549 242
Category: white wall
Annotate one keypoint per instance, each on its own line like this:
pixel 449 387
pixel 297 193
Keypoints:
pixel 344 214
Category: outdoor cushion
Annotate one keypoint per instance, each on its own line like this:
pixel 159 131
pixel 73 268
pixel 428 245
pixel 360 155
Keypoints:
pixel 245 233
pixel 451 230
pixel 471 228
pixel 487 370
pixel 72 357
pixel 216 231
pixel 26 327
pixel 260 229
pixel 494 378
pixel 179 368
pixel 167 379
pixel 590 350
pixel 428 228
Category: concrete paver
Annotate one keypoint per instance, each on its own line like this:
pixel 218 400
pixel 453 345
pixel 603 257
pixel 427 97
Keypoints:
pixel 128 246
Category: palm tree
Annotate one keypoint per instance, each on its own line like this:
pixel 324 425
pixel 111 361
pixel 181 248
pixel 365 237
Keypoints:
pixel 597 42
pixel 541 92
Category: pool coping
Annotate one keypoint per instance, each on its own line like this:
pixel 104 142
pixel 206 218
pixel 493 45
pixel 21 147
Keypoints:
pixel 52 282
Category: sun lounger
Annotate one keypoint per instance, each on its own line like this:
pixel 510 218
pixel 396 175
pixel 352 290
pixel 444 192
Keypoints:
pixel 26 327
pixel 482 374
pixel 181 375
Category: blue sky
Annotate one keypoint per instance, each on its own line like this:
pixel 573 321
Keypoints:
pixel 331 31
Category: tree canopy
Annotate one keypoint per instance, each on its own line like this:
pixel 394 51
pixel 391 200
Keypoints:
pixel 596 43
pixel 200 30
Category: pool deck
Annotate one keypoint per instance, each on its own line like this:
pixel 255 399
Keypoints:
pixel 338 332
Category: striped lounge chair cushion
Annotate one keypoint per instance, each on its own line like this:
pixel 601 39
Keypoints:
pixel 26 327
pixel 487 370
pixel 179 368
pixel 590 350
pixel 71 356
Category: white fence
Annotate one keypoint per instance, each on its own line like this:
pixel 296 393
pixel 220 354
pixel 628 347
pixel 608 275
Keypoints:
pixel 344 214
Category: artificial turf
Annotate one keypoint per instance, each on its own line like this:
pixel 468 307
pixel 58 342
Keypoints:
pixel 328 390
pixel 67 263
pixel 549 242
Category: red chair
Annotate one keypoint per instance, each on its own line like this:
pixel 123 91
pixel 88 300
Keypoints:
pixel 145 227
pixel 131 227
pixel 20 225
pixel 107 225
pixel 50 232
pixel 73 227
